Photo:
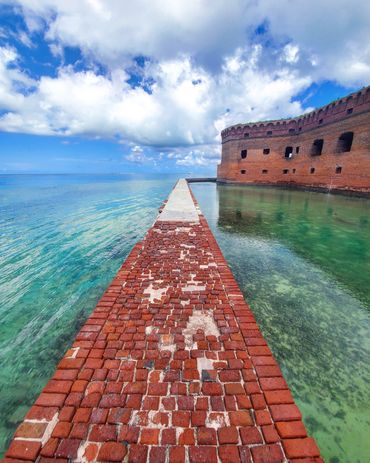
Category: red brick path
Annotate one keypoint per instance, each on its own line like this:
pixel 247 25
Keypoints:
pixel 170 367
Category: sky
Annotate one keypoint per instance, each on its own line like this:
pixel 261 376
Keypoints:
pixel 122 86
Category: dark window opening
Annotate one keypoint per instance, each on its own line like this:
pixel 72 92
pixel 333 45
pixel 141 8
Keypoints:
pixel 293 171
pixel 312 170
pixel 300 128
pixel 291 130
pixel 264 171
pixel 338 170
pixel 321 121
pixel 345 142
pixel 269 132
pixel 317 146
pixel 297 150
pixel 288 152
pixel 266 150
pixel 286 171
pixel 243 171
pixel 350 111
pixel 246 135
pixel 243 154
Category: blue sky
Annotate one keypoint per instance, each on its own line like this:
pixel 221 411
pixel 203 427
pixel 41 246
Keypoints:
pixel 107 86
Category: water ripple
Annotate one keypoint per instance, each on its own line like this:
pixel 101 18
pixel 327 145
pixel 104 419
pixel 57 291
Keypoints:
pixel 62 238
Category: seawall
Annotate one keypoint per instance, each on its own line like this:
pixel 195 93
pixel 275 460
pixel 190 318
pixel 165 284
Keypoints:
pixel 170 366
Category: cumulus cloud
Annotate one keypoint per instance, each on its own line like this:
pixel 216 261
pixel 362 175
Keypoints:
pixel 187 105
pixel 137 156
pixel 203 67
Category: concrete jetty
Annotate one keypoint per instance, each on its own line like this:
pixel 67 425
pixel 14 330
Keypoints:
pixel 170 367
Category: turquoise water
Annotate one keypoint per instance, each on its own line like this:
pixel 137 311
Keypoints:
pixel 302 260
pixel 62 239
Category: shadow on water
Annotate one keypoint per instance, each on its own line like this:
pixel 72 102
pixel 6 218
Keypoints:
pixel 302 260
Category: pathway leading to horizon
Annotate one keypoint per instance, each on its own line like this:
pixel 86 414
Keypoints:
pixel 170 366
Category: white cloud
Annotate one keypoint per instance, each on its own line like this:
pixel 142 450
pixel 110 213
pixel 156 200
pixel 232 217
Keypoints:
pixel 137 156
pixel 207 69
pixel 187 104
pixel 291 53
pixel 111 29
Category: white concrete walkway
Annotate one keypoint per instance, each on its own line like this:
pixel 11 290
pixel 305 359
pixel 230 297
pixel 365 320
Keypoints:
pixel 180 206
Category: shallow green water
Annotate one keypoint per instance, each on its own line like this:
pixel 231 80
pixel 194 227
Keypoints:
pixel 62 239
pixel 302 260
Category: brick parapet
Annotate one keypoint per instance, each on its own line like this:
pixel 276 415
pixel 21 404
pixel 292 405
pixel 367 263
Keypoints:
pixel 170 367
pixel 344 108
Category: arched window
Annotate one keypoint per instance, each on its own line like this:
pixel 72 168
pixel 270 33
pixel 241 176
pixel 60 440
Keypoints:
pixel 317 145
pixel 243 154
pixel 345 142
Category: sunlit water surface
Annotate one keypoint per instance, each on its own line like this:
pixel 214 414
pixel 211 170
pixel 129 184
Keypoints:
pixel 62 239
pixel 302 260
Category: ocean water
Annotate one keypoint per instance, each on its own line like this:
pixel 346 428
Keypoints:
pixel 302 260
pixel 62 239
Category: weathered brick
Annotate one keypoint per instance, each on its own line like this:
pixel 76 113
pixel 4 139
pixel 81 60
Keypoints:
pixel 202 455
pixel 206 436
pixel 229 454
pixel 112 451
pixel 240 418
pixel 31 430
pixel 177 455
pixel 24 450
pixel 288 412
pixel 267 454
pixel 149 436
pixel 68 448
pixel 250 435
pixel 300 448
pixel 228 435
pixel 103 433
pixel 290 429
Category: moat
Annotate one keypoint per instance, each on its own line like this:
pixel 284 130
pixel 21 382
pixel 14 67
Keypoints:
pixel 302 260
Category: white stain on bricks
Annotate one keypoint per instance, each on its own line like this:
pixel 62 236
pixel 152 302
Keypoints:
pixel 200 320
pixel 217 420
pixel 155 292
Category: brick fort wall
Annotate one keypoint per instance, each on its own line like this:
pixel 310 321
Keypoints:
pixel 328 149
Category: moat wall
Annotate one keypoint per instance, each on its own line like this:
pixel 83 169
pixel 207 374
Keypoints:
pixel 289 152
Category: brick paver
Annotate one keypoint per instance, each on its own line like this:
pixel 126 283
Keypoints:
pixel 170 367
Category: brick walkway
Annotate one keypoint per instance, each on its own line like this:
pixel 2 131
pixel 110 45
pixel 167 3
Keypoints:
pixel 170 367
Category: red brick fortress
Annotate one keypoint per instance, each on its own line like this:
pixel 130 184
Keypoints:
pixel 327 149
pixel 170 366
